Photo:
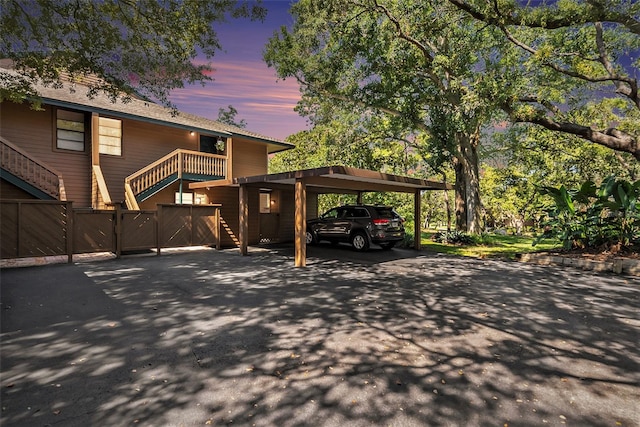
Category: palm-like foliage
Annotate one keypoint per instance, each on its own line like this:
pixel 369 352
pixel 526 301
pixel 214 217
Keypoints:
pixel 594 216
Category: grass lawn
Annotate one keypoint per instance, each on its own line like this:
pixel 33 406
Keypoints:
pixel 494 246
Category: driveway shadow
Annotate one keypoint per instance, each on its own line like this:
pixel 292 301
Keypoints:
pixel 214 338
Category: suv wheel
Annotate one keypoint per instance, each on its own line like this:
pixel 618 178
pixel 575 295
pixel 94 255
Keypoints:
pixel 310 238
pixel 359 241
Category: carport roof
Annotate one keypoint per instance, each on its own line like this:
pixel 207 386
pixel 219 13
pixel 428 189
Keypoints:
pixel 332 179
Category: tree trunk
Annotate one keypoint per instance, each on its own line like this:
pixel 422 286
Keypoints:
pixel 468 207
pixel 447 203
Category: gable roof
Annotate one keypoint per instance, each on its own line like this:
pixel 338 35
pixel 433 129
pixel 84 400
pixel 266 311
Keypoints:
pixel 74 95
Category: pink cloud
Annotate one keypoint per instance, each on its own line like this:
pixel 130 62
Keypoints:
pixel 263 101
pixel 241 78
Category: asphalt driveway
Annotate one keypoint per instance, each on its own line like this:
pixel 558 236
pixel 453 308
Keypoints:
pixel 386 339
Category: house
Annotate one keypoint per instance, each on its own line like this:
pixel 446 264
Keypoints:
pixel 97 154
pixel 137 155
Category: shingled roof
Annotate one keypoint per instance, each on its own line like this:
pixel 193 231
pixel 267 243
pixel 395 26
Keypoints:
pixel 74 95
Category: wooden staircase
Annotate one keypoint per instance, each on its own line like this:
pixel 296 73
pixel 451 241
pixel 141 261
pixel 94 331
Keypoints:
pixel 30 174
pixel 178 165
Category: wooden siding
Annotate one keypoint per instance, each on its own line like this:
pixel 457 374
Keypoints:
pixel 10 191
pixel 142 144
pixel 287 213
pixel 33 131
pixel 230 212
pixel 249 158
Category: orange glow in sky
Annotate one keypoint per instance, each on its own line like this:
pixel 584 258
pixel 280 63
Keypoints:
pixel 243 80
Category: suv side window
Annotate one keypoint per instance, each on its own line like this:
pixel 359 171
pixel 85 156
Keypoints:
pixel 361 213
pixel 350 213
pixel 331 214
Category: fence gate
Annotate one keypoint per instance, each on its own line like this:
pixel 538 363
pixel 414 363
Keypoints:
pixel 93 231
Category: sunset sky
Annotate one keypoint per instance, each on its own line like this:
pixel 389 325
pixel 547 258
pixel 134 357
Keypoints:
pixel 242 79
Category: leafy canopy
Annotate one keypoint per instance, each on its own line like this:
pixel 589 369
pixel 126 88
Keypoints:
pixel 572 68
pixel 144 47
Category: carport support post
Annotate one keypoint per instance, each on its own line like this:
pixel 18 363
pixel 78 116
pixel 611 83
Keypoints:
pixel 417 224
pixel 244 219
pixel 300 223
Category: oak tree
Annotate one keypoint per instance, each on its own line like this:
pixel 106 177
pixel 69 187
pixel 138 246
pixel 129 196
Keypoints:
pixel 413 60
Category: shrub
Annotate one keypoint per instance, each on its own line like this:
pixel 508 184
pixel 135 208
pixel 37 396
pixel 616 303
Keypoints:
pixel 453 237
pixel 593 216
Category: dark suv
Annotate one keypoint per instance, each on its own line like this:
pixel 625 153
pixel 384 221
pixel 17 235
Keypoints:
pixel 359 225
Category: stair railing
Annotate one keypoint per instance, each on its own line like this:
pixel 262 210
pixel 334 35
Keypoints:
pixel 31 170
pixel 179 162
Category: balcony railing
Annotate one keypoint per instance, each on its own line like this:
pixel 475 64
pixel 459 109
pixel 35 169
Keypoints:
pixel 30 170
pixel 180 164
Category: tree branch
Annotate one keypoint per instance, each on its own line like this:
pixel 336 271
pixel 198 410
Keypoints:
pixel 595 11
pixel 624 86
pixel 413 41
pixel 611 138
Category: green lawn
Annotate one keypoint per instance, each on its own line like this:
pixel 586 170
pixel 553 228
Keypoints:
pixel 496 246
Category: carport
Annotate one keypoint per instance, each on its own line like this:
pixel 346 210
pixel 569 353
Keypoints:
pixel 326 180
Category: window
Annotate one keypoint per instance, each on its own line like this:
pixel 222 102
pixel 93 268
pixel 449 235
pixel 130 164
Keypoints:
pixel 69 130
pixel 361 213
pixel 110 136
pixel 333 213
pixel 265 203
pixel 211 144
pixel 183 198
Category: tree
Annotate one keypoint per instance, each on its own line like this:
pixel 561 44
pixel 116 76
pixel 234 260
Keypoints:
pixel 518 161
pixel 412 60
pixel 142 47
pixel 228 116
pixel 569 57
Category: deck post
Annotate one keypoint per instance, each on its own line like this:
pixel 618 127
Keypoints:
pixel 70 226
pixel 119 220
pixel 300 223
pixel 417 225
pixel 244 220
pixel 95 158
pixel 217 228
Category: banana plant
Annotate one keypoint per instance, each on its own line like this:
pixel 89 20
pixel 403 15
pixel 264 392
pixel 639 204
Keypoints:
pixel 593 216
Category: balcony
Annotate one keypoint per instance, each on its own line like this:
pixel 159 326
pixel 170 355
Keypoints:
pixel 177 165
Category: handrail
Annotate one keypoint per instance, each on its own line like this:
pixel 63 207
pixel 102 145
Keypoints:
pixel 178 162
pixel 130 198
pixel 29 169
pixel 103 191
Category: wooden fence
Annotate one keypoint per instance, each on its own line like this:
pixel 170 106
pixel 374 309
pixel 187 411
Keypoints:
pixel 37 228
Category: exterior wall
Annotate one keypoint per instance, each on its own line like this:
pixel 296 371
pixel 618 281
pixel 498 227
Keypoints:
pixel 230 214
pixel 287 213
pixel 33 131
pixel 249 158
pixel 10 191
pixel 228 197
pixel 142 144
